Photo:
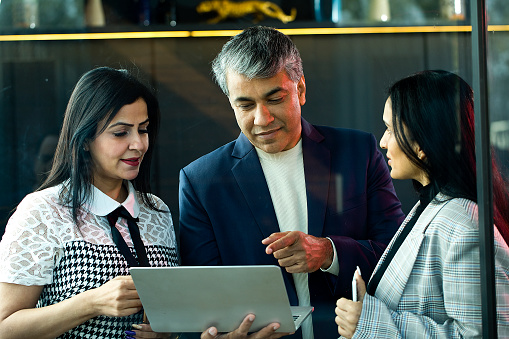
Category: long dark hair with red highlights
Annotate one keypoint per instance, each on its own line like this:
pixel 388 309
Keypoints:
pixel 437 110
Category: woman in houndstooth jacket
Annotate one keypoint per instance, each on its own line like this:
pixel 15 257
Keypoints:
pixel 427 282
pixel 64 261
pixel 61 274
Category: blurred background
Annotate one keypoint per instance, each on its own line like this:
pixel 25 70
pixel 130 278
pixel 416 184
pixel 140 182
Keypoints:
pixel 352 51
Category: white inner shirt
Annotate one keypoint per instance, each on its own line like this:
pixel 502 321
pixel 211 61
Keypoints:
pixel 284 173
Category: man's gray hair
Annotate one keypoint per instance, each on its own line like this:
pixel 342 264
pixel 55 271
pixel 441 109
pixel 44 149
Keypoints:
pixel 257 52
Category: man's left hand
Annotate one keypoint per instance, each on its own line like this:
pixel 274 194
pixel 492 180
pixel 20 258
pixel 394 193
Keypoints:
pixel 299 252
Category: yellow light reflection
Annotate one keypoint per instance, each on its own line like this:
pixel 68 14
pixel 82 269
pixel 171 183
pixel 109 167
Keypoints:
pixel 205 34
pixel 228 33
pixel 96 36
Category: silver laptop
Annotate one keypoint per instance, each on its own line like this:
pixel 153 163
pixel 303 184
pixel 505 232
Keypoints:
pixel 193 298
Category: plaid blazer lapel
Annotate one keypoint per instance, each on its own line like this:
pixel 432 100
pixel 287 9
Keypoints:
pixel 393 283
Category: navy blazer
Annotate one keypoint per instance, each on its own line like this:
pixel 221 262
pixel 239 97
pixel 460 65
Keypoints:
pixel 226 210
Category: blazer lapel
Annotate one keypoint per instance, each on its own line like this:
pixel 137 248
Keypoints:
pixel 317 165
pixel 393 282
pixel 249 176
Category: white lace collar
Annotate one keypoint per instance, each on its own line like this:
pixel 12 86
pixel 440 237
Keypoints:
pixel 100 204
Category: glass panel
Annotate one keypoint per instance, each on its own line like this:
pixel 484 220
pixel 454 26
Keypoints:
pixel 346 83
pixel 498 71
pixel 347 72
pixel 498 77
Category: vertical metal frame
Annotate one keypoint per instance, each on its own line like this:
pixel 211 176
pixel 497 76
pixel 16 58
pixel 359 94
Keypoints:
pixel 484 169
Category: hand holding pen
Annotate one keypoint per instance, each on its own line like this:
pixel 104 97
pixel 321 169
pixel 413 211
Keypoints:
pixel 348 312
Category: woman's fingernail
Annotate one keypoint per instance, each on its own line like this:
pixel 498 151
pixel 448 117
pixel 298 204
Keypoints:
pixel 213 331
pixel 276 327
pixel 130 333
pixel 138 327
pixel 359 271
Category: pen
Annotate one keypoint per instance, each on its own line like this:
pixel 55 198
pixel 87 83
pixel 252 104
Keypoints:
pixel 354 284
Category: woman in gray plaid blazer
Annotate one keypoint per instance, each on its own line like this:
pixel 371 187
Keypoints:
pixel 427 282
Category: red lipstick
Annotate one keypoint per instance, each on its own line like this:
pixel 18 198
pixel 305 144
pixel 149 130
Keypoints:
pixel 131 161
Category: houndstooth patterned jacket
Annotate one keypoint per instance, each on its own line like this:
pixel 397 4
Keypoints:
pixel 43 246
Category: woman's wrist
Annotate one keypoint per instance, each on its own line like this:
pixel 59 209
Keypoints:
pixel 88 304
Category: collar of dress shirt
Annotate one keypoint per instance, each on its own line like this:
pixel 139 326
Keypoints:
pixel 100 204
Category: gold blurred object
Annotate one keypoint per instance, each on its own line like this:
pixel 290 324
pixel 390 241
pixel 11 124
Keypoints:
pixel 230 9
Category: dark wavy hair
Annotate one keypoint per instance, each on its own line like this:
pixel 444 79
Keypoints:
pixel 437 109
pixel 97 97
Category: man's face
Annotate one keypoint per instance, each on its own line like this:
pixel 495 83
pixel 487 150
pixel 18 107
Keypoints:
pixel 268 110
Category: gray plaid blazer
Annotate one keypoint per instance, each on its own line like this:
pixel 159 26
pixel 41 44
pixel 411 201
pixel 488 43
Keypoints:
pixel 432 288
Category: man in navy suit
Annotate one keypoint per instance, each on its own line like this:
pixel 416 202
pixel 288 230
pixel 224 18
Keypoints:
pixel 317 201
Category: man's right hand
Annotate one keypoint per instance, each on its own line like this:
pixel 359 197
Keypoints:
pixel 299 252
